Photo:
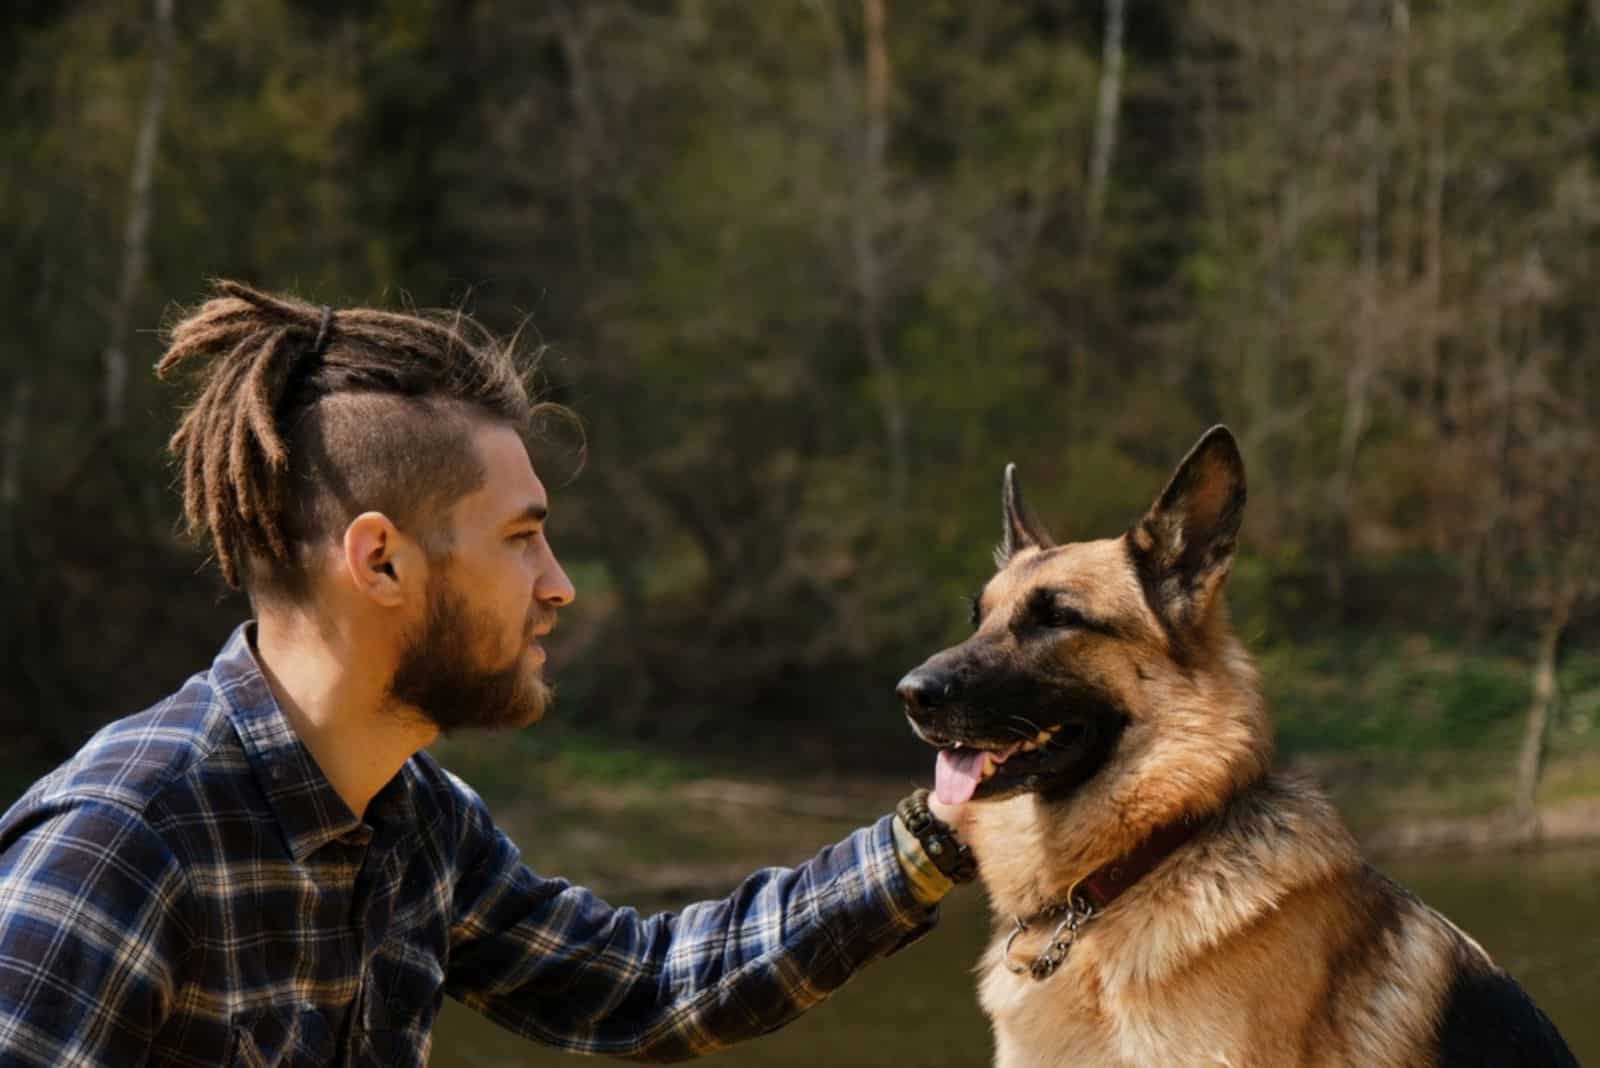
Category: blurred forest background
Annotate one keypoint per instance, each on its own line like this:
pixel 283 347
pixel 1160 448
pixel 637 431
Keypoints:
pixel 811 271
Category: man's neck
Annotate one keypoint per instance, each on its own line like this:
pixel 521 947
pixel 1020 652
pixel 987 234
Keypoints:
pixel 334 694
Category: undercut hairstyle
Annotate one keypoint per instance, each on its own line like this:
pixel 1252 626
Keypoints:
pixel 304 418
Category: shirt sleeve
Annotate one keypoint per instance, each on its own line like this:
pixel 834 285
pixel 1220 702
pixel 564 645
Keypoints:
pixel 555 963
pixel 90 933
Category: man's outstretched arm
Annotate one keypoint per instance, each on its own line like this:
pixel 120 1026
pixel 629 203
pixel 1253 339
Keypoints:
pixel 555 963
pixel 91 933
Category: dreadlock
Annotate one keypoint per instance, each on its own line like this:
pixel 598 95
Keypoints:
pixel 303 418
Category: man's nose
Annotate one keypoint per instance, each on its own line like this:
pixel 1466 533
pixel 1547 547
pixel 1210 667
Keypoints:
pixel 553 587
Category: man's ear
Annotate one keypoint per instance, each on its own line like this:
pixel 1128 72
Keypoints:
pixel 1184 545
pixel 379 561
pixel 1018 528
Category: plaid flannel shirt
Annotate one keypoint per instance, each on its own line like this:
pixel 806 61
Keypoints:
pixel 190 890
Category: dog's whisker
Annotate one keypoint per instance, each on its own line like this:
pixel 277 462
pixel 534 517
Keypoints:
pixel 1033 728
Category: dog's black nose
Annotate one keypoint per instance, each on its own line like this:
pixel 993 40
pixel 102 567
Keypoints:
pixel 921 691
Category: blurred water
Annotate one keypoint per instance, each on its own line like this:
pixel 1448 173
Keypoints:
pixel 1539 915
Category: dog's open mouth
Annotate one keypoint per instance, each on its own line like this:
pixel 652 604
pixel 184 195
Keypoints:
pixel 963 770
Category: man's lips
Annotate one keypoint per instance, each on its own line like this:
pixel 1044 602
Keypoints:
pixel 535 648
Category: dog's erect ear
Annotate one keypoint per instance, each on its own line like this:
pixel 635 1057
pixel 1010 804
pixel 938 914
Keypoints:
pixel 1018 529
pixel 1184 545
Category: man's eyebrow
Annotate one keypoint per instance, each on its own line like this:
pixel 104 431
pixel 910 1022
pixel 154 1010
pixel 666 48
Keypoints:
pixel 533 513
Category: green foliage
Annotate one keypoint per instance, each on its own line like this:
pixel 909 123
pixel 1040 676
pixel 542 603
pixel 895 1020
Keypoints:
pixel 675 197
pixel 531 765
pixel 1397 692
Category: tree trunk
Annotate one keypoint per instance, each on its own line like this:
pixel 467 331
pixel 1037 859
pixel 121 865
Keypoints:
pixel 868 234
pixel 1278 342
pixel 1530 765
pixel 1104 122
pixel 1433 216
pixel 589 143
pixel 16 435
pixel 1105 125
pixel 134 241
pixel 865 144
pixel 1363 365
pixel 1402 147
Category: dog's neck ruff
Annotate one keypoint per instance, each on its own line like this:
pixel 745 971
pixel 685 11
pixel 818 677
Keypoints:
pixel 1093 894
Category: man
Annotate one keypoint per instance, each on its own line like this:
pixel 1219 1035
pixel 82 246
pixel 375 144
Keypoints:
pixel 267 868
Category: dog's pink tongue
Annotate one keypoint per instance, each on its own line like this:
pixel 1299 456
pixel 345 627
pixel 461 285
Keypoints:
pixel 956 774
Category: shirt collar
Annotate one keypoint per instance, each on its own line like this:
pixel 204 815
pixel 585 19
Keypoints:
pixel 308 809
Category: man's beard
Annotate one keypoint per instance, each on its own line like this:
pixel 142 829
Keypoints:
pixel 438 674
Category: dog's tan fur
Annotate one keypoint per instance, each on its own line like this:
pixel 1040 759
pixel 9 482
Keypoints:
pixel 1264 941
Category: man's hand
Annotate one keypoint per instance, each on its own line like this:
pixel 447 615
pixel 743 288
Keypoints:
pixel 939 826
pixel 955 815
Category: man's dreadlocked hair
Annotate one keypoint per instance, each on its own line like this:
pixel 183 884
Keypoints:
pixel 305 418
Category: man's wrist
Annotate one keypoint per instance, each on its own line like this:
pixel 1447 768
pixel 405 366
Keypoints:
pixel 928 883
pixel 936 846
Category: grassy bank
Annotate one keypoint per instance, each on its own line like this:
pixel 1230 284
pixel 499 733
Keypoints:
pixel 1406 726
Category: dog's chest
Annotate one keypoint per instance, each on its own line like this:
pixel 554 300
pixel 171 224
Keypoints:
pixel 1053 1023
pixel 1069 1019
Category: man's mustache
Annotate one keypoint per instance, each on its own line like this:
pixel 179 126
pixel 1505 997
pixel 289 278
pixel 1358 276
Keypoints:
pixel 541 620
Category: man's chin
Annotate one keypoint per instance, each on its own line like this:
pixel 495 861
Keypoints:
pixel 532 708
pixel 511 708
pixel 524 710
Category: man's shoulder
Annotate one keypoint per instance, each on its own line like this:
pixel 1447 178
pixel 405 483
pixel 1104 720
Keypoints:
pixel 137 762
pixel 444 792
pixel 452 807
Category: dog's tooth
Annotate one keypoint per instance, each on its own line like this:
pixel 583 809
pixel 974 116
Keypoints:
pixel 1044 736
pixel 988 765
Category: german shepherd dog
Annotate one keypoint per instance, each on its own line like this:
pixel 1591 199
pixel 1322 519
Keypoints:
pixel 1162 897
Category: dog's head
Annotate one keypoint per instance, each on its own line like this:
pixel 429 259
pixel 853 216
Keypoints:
pixel 1104 668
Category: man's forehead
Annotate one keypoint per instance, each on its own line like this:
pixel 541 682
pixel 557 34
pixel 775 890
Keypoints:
pixel 510 485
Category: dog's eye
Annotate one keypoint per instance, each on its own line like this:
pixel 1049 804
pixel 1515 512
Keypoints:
pixel 1050 611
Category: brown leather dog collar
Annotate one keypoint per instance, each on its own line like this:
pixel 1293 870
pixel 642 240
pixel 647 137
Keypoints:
pixel 1104 885
pixel 1094 893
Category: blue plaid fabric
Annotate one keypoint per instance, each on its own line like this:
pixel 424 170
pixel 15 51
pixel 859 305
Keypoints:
pixel 190 890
